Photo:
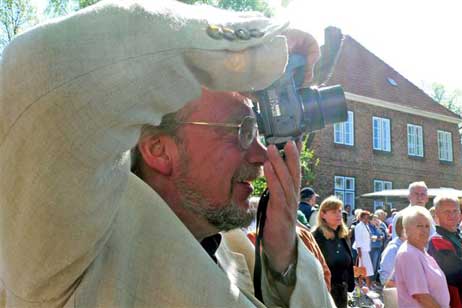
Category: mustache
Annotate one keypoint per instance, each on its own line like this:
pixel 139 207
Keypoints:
pixel 248 172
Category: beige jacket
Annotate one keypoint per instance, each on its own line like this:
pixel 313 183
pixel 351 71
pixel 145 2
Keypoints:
pixel 76 228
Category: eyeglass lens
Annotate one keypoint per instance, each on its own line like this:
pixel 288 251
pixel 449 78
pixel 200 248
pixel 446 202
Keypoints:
pixel 247 132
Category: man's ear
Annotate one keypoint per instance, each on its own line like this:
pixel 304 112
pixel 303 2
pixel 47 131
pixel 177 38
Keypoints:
pixel 156 153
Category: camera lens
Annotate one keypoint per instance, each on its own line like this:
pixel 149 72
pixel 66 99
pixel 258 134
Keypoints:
pixel 332 103
pixel 323 106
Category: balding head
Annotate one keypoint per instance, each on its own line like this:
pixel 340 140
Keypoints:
pixel 418 194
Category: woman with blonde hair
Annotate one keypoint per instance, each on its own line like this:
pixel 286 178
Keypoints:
pixel 331 234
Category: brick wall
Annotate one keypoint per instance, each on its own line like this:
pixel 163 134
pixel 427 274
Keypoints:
pixel 365 165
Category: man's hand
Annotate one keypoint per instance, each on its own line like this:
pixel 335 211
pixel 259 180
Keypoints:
pixel 304 44
pixel 283 177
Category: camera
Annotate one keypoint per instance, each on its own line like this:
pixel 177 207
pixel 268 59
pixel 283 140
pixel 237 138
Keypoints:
pixel 285 111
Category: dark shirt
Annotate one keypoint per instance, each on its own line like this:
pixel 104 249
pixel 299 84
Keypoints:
pixel 338 258
pixel 306 209
pixel 211 244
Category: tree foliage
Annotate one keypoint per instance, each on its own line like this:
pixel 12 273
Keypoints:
pixel 308 162
pixel 241 5
pixel 451 100
pixel 15 15
pixel 62 7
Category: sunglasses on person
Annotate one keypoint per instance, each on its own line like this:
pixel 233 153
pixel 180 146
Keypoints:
pixel 247 129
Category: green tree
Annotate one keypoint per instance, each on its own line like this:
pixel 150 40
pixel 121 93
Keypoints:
pixel 308 162
pixel 243 5
pixel 15 15
pixel 451 100
pixel 62 7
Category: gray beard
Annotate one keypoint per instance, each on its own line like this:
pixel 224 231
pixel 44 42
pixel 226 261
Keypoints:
pixel 224 217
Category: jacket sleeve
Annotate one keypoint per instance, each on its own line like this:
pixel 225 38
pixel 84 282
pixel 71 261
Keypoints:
pixel 446 257
pixel 313 246
pixel 310 289
pixel 74 94
pixel 351 277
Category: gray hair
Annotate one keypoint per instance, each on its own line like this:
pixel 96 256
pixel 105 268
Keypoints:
pixel 412 212
pixel 442 198
pixel 168 126
pixel 417 184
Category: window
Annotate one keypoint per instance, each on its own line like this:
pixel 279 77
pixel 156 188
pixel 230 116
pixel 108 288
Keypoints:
pixel 380 185
pixel 344 132
pixel 414 140
pixel 381 134
pixel 345 190
pixel 444 145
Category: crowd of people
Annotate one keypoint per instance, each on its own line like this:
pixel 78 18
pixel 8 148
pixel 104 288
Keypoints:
pixel 411 251
pixel 128 148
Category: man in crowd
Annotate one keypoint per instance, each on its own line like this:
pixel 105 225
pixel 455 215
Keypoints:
pixel 348 215
pixel 308 205
pixel 418 196
pixel 446 244
pixel 78 229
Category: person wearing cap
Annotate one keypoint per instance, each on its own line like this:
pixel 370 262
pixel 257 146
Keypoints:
pixel 308 205
pixel 78 229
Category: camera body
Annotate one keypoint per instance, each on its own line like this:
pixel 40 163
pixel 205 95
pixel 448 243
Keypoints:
pixel 285 111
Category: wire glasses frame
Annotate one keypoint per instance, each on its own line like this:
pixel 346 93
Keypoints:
pixel 247 129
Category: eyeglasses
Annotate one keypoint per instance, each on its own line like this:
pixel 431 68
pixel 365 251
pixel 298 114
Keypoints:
pixel 248 129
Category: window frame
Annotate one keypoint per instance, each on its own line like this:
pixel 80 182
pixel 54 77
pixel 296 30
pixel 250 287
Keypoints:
pixel 341 129
pixel 381 138
pixel 449 151
pixel 381 203
pixel 343 191
pixel 416 137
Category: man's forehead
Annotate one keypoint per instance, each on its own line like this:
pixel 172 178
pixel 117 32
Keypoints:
pixel 448 203
pixel 418 189
pixel 221 106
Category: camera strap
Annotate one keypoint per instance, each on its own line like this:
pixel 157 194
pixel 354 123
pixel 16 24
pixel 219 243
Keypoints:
pixel 261 218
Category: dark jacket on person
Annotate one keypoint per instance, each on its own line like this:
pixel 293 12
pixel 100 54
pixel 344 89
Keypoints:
pixel 446 248
pixel 329 250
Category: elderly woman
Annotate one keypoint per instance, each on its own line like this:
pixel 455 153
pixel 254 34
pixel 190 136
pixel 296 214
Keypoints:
pixel 362 245
pixel 419 280
pixel 331 234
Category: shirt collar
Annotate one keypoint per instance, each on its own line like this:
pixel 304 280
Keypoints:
pixel 211 244
pixel 445 232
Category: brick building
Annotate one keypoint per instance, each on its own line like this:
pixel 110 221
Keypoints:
pixel 395 133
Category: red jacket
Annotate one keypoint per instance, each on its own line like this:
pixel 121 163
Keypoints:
pixel 446 249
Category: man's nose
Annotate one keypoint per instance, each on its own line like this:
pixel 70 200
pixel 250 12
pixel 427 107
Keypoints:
pixel 256 153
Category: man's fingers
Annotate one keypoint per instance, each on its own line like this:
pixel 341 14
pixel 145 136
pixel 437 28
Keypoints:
pixel 283 175
pixel 293 164
pixel 303 43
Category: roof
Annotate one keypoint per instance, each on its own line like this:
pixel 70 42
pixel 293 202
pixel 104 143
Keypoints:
pixel 403 193
pixel 361 72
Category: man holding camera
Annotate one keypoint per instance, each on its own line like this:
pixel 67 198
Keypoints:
pixel 78 229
